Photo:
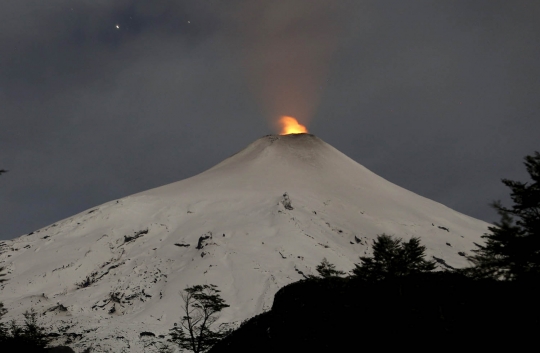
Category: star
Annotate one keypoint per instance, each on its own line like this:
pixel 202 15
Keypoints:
pixel 117 26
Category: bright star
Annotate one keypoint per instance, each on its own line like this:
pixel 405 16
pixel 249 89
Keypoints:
pixel 117 26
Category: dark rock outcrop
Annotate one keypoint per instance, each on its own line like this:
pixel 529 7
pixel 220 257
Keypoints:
pixel 286 201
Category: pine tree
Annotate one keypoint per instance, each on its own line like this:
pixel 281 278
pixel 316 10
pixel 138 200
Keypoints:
pixel 30 337
pixel 512 249
pixel 33 333
pixel 393 258
pixel 4 333
pixel 3 328
pixel 202 304
pixel 326 269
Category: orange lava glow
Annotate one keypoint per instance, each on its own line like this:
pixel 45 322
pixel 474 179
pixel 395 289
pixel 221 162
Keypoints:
pixel 290 125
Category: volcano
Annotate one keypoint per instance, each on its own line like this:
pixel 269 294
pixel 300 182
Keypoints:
pixel 261 219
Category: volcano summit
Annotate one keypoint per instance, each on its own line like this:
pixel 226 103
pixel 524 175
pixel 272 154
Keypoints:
pixel 259 220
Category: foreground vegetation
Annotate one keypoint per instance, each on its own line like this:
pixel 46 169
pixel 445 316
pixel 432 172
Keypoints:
pixel 29 337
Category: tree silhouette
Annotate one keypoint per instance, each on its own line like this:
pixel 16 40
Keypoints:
pixel 30 337
pixel 202 304
pixel 512 249
pixel 326 269
pixel 393 258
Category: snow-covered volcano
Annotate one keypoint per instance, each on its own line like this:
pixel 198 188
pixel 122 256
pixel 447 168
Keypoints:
pixel 259 220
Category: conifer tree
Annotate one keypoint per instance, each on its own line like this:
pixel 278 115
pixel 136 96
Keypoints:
pixel 512 249
pixel 3 311
pixel 3 329
pixel 33 333
pixel 30 337
pixel 326 269
pixel 202 304
pixel 393 258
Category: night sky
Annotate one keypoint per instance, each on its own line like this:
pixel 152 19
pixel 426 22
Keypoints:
pixel 102 99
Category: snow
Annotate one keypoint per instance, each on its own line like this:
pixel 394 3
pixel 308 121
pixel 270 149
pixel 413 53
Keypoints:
pixel 137 248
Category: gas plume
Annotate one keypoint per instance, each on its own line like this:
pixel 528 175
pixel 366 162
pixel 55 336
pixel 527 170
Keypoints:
pixel 289 45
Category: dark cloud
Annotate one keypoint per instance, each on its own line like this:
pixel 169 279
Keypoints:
pixel 438 97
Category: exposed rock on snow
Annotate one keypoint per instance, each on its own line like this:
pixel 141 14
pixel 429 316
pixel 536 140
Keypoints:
pixel 287 202
pixel 181 245
pixel 118 268
pixel 202 238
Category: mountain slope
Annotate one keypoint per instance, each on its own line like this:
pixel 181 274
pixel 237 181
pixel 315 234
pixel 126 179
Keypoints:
pixel 260 219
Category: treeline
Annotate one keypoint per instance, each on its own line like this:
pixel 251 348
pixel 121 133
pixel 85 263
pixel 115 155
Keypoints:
pixel 29 337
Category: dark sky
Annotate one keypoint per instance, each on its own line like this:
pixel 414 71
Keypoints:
pixel 439 97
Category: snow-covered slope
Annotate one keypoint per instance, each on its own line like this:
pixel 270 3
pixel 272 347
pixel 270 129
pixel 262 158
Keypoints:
pixel 259 220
